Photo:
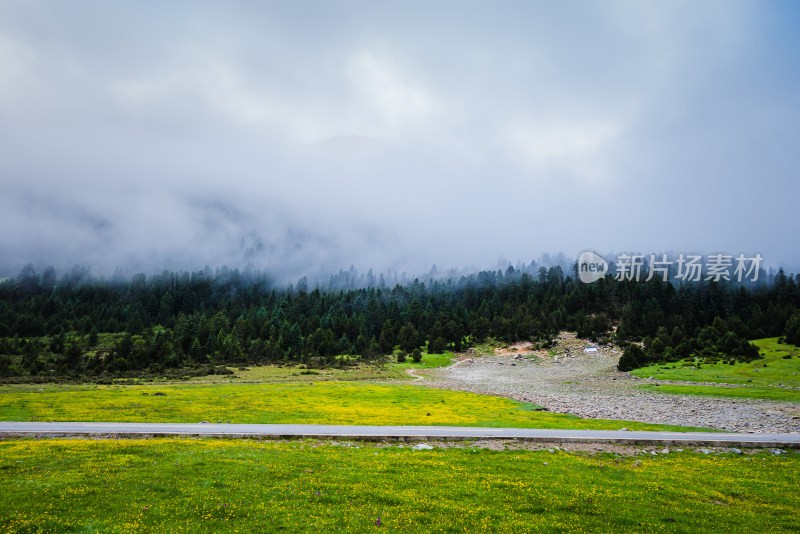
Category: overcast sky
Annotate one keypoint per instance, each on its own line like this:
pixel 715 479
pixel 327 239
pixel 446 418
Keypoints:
pixel 308 136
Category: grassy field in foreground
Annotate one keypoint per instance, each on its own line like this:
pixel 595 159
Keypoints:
pixel 345 403
pixel 211 486
pixel 771 370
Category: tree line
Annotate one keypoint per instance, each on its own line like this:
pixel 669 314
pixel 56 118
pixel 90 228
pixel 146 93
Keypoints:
pixel 77 325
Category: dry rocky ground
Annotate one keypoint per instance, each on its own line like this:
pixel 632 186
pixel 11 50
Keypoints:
pixel 588 385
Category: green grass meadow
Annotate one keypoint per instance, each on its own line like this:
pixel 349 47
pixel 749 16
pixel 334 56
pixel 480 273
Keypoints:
pixel 211 486
pixel 219 485
pixel 755 392
pixel 343 403
pixel 772 377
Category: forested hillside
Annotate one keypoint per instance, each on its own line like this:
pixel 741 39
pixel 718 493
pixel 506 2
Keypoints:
pixel 77 326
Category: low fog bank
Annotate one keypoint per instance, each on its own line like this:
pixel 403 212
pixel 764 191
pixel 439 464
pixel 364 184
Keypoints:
pixel 307 211
pixel 547 267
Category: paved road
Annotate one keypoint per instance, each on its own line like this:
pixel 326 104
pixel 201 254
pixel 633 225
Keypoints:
pixel 8 429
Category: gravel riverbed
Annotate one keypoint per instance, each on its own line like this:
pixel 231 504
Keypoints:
pixel 588 385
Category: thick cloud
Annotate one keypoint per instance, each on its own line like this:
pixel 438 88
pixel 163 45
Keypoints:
pixel 303 137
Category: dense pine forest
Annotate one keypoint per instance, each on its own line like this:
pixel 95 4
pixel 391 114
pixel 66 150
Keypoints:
pixel 77 326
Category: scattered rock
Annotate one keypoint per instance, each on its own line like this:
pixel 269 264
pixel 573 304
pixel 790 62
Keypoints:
pixel 422 447
pixel 736 451
pixel 598 391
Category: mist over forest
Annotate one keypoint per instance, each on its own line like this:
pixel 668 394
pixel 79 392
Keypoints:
pixel 178 323
pixel 357 178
